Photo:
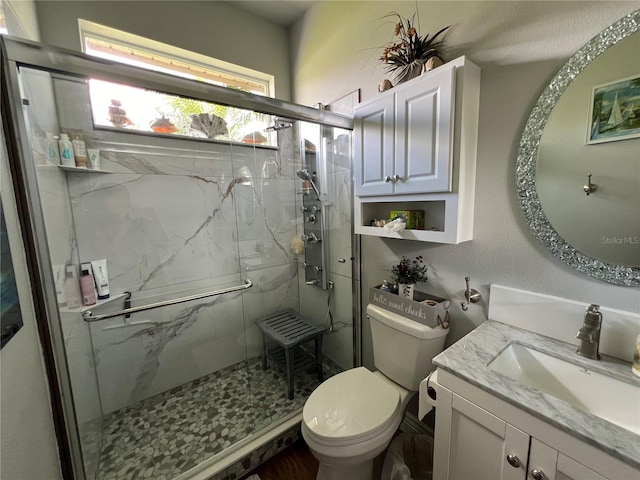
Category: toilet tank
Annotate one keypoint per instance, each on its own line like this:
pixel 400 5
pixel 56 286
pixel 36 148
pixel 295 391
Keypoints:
pixel 403 348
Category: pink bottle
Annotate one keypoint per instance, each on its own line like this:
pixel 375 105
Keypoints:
pixel 87 284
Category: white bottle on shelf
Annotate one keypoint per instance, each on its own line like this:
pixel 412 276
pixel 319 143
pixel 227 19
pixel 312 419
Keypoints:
pixel 51 149
pixel 72 288
pixel 67 158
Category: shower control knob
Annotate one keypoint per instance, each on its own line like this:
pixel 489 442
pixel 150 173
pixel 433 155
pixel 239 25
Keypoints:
pixel 304 209
pixel 311 238
pixel 387 179
pixel 314 209
pixel 306 265
pixel 317 269
pixel 311 218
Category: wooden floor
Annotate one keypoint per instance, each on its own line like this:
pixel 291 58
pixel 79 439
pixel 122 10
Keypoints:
pixel 296 462
pixel 293 463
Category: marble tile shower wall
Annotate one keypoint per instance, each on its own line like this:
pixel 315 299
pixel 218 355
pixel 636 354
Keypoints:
pixel 166 234
pixel 177 217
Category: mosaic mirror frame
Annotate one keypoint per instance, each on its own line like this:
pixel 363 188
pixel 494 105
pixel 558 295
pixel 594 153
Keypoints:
pixel 528 154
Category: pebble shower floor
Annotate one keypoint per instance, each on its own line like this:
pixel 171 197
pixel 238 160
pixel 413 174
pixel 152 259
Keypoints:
pixel 165 435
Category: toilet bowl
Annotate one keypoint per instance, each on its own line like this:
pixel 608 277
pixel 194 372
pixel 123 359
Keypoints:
pixel 351 418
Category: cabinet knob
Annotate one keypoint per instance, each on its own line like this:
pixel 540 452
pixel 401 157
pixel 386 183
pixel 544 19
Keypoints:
pixel 538 474
pixel 513 460
pixel 394 179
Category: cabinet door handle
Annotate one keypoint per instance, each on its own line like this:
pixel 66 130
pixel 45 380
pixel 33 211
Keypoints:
pixel 513 460
pixel 394 179
pixel 538 474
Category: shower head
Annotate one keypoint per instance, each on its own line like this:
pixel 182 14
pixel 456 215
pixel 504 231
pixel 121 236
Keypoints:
pixel 304 174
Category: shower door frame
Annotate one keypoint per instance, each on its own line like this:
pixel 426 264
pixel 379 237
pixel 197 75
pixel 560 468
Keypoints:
pixel 18 53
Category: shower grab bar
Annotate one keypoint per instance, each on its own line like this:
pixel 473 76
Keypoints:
pixel 89 317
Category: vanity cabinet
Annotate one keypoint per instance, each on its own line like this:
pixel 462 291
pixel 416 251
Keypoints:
pixel 415 149
pixel 481 442
pixel 489 438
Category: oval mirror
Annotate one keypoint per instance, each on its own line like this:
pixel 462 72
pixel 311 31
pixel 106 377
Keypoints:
pixel 578 166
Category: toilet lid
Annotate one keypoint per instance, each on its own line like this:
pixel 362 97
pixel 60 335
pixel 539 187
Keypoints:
pixel 350 407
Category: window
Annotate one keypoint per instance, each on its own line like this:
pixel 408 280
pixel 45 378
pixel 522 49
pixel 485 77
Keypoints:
pixel 162 113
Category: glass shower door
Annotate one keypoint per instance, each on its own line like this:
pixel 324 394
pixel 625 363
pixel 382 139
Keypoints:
pixel 158 391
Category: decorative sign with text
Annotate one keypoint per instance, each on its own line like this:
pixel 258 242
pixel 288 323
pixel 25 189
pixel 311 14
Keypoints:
pixel 426 309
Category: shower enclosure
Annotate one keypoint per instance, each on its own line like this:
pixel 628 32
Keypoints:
pixel 203 236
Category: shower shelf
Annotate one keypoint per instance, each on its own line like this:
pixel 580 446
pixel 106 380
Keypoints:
pixel 79 170
pixel 69 169
pixel 99 303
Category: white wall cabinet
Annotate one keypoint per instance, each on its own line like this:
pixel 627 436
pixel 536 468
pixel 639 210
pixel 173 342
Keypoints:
pixel 415 149
pixel 404 138
pixel 474 442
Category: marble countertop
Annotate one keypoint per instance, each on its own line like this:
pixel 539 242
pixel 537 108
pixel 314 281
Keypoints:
pixel 468 359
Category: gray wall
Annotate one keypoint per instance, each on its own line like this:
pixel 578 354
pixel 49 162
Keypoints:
pixel 520 46
pixel 216 29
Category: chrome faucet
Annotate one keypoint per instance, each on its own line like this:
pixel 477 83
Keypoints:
pixel 589 334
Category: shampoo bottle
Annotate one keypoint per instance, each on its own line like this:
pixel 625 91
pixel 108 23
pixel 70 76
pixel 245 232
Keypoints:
pixel 72 288
pixel 67 158
pixel 80 151
pixel 87 285
pixel 101 277
pixel 636 358
pixel 51 149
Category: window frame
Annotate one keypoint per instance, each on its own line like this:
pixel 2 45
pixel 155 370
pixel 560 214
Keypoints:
pixel 171 53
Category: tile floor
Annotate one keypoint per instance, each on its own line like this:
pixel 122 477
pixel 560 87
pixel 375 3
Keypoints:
pixel 167 434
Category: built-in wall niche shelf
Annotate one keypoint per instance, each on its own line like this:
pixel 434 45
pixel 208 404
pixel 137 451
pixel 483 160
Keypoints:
pixel 99 303
pixel 440 219
pixel 415 149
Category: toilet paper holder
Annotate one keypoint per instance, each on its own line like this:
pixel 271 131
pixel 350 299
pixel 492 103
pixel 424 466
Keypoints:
pixel 428 394
pixel 431 391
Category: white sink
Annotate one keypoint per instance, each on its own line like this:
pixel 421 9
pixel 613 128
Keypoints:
pixel 613 400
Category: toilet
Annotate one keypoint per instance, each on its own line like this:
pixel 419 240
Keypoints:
pixel 351 417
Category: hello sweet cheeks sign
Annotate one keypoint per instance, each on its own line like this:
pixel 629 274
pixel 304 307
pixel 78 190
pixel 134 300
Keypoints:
pixel 424 309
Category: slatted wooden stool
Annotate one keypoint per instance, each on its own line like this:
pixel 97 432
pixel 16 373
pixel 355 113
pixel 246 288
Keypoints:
pixel 285 331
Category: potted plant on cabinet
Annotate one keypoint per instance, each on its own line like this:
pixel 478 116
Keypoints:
pixel 407 273
pixel 408 56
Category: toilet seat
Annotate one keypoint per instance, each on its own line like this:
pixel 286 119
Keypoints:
pixel 351 407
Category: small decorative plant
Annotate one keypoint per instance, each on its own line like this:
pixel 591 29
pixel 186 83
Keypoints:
pixel 406 57
pixel 409 271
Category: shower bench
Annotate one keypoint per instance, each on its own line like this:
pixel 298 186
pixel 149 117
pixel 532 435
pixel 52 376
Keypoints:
pixel 285 331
